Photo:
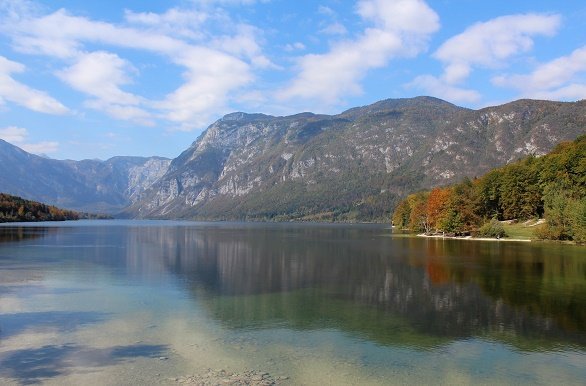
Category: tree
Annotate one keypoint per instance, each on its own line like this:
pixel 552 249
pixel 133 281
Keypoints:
pixel 402 214
pixel 488 193
pixel 557 214
pixel 465 203
pixel 452 222
pixel 578 220
pixel 438 206
pixel 418 220
pixel 520 195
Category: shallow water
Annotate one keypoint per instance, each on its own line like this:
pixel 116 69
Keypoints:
pixel 150 302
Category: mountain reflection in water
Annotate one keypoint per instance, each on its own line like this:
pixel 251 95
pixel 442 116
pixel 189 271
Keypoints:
pixel 407 291
pixel 361 280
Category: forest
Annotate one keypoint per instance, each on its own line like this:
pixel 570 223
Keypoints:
pixel 13 208
pixel 551 187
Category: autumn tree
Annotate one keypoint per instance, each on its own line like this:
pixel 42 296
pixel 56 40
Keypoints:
pixel 438 206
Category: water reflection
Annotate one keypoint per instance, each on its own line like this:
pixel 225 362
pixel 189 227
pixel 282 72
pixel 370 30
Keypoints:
pixel 60 321
pixel 407 291
pixel 16 233
pixel 36 365
pixel 412 292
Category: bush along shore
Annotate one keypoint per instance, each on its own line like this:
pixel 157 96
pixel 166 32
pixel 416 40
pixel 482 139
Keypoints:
pixel 533 198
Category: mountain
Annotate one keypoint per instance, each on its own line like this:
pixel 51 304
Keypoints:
pixel 353 166
pixel 88 185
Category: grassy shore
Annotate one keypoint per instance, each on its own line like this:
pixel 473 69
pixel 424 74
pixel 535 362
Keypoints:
pixel 521 230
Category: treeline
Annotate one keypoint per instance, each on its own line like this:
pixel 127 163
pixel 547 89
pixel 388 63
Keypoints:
pixel 552 187
pixel 13 208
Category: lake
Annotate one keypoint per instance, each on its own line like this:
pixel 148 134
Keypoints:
pixel 161 302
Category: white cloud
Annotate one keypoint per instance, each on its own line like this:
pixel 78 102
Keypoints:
pixel 297 46
pixel 40 148
pixel 16 92
pixel 16 8
pixel 401 28
pixel 487 45
pixel 490 43
pixel 174 22
pixel 62 35
pixel 331 27
pixel 13 134
pixel 171 17
pixel 101 74
pixel 18 136
pixel 325 10
pixel 402 16
pixel 215 66
pixel 444 90
pixel 334 29
pixel 552 80
pixel 244 44
pixel 208 83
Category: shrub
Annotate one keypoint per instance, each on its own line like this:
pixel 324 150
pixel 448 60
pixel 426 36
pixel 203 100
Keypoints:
pixel 493 229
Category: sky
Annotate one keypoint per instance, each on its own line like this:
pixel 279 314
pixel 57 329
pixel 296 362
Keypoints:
pixel 96 79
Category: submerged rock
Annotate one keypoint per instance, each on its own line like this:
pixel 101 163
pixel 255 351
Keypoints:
pixel 220 377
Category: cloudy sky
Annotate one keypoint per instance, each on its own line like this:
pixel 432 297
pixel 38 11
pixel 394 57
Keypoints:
pixel 94 79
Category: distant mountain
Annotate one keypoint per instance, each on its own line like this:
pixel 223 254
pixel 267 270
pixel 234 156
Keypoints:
pixel 354 166
pixel 88 185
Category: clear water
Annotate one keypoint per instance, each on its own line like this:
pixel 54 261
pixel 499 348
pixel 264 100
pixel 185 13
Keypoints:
pixel 128 302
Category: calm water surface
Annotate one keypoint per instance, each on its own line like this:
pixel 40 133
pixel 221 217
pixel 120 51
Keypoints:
pixel 114 302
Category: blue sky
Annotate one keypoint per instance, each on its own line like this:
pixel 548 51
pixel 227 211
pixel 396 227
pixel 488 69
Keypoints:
pixel 95 79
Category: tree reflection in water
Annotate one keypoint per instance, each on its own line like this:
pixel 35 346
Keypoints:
pixel 410 291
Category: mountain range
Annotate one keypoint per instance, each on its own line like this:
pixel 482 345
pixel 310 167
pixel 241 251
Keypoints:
pixel 88 185
pixel 352 166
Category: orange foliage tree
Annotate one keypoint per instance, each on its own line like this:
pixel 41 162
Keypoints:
pixel 438 204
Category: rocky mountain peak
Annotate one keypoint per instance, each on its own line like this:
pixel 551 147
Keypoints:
pixel 240 116
pixel 351 166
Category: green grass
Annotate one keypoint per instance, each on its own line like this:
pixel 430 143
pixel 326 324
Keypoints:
pixel 520 231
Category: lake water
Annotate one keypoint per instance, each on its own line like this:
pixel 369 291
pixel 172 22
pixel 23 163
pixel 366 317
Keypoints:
pixel 154 302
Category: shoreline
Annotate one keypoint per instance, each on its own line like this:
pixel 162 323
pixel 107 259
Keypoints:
pixel 473 238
